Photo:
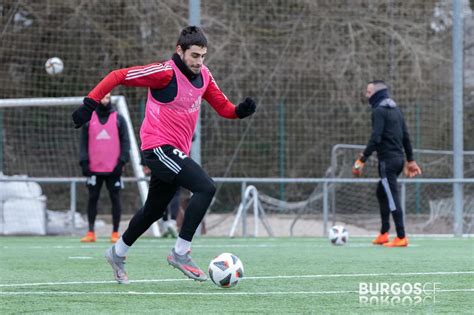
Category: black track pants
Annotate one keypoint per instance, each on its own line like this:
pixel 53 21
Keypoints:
pixel 388 195
pixel 94 185
pixel 170 169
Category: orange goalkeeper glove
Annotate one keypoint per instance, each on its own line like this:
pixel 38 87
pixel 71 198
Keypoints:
pixel 412 169
pixel 357 168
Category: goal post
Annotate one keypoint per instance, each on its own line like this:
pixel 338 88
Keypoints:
pixel 135 157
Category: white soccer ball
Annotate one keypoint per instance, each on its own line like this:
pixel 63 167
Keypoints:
pixel 338 235
pixel 54 66
pixel 226 270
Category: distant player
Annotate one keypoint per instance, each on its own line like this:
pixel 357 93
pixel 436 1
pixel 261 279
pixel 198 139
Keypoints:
pixel 105 148
pixel 389 138
pixel 176 88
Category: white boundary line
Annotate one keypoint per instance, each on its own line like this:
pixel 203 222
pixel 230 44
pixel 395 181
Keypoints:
pixel 147 246
pixel 223 292
pixel 439 273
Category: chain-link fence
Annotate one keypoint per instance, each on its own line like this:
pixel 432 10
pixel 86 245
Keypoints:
pixel 307 63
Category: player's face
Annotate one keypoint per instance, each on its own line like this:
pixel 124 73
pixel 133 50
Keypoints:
pixel 106 99
pixel 370 90
pixel 193 57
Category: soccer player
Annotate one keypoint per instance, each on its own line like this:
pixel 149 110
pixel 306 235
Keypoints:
pixel 175 90
pixel 105 148
pixel 389 138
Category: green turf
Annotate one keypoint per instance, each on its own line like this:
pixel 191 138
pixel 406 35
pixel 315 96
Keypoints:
pixel 61 275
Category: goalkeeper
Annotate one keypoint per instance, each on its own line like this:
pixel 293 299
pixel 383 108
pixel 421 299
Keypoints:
pixel 389 138
pixel 176 88
pixel 105 136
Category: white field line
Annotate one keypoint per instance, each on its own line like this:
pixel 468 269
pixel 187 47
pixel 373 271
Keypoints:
pixel 168 246
pixel 141 246
pixel 439 273
pixel 223 292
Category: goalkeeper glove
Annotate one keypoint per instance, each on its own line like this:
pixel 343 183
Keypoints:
pixel 118 169
pixel 357 168
pixel 412 169
pixel 84 113
pixel 85 168
pixel 246 108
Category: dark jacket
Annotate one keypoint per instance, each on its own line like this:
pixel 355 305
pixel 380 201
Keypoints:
pixel 103 112
pixel 389 133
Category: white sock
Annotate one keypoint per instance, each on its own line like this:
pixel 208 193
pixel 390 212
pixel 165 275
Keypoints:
pixel 182 246
pixel 121 248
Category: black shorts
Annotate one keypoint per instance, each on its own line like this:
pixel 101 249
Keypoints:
pixel 172 166
pixel 112 182
pixel 166 162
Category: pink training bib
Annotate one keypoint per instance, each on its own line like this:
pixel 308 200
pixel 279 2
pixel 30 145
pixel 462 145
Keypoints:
pixel 174 123
pixel 104 144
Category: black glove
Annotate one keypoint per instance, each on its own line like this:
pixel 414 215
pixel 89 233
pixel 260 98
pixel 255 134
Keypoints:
pixel 85 169
pixel 246 108
pixel 118 169
pixel 84 113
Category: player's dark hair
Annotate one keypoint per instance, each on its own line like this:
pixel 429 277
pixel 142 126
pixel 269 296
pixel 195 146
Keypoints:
pixel 192 35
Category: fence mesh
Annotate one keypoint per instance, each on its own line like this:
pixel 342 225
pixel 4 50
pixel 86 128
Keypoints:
pixel 305 61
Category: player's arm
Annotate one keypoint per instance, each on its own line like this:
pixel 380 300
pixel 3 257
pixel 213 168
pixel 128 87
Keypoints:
pixel 378 125
pixel 223 106
pixel 124 146
pixel 407 143
pixel 124 140
pixel 412 169
pixel 84 150
pixel 156 76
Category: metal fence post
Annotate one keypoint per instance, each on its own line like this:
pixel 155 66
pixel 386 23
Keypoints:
pixel 325 208
pixel 72 211
pixel 458 140
pixel 244 213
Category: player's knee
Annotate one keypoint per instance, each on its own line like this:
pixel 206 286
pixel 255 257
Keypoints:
pixel 210 188
pixel 207 187
pixel 397 213
pixel 380 191
pixel 93 197
pixel 147 214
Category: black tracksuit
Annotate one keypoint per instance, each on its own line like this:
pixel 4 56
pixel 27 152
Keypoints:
pixel 390 139
pixel 112 180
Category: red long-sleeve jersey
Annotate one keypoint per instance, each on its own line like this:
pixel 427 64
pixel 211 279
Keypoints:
pixel 158 76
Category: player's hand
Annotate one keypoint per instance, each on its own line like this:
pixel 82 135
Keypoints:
pixel 246 108
pixel 357 168
pixel 146 170
pixel 118 169
pixel 84 113
pixel 412 169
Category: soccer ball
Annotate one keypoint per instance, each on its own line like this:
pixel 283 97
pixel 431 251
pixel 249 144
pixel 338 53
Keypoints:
pixel 54 66
pixel 226 270
pixel 338 235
